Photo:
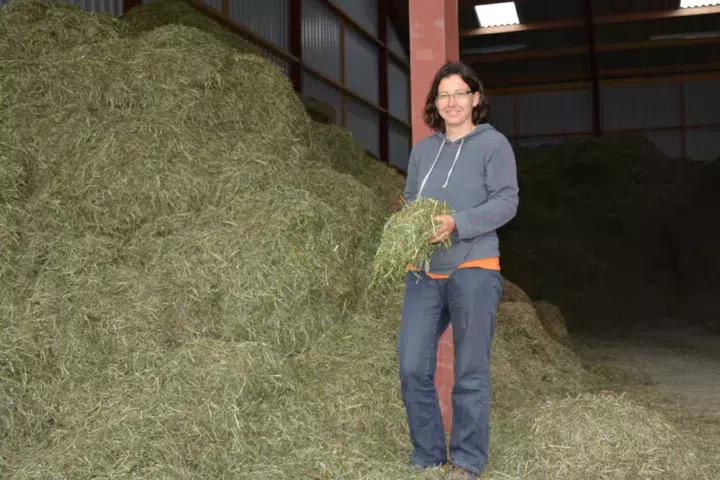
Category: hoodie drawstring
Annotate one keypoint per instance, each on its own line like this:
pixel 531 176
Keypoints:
pixel 422 186
pixel 432 167
pixel 457 155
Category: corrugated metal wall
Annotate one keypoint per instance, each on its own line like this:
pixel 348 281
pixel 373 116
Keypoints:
pixel 322 91
pixel 702 107
pixel 703 144
pixel 542 141
pixel 216 4
pixel 279 62
pixel 361 65
pixel 539 113
pixel 365 12
pixel 398 92
pixel 97 6
pixel 645 106
pixel 702 101
pixel 641 106
pixel 361 72
pixel 502 113
pixel 267 18
pixel 658 109
pixel 398 103
pixel 393 42
pixel 321 38
pixel 363 122
pixel 398 146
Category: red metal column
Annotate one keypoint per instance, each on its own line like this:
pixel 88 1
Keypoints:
pixel 434 40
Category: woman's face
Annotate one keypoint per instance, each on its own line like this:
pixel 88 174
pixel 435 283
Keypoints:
pixel 455 102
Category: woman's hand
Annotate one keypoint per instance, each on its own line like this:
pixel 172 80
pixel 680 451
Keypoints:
pixel 444 231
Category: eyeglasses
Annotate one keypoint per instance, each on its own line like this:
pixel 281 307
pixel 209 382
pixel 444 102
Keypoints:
pixel 460 95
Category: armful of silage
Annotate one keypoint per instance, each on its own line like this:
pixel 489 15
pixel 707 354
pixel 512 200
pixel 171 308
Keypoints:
pixel 406 240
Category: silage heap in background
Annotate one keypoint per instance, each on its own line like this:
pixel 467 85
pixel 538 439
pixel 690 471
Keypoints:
pixel 183 256
pixel 699 263
pixel 165 204
pixel 600 230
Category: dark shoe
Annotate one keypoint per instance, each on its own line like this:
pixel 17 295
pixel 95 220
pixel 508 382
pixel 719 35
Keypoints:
pixel 459 473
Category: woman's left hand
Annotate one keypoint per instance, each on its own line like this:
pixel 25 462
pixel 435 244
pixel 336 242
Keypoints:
pixel 444 231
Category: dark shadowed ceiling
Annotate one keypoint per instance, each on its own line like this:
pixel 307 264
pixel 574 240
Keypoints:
pixel 553 42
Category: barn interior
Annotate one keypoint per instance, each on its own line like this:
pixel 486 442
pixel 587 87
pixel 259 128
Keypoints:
pixel 192 194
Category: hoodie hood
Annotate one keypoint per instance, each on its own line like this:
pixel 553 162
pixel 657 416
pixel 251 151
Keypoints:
pixel 476 131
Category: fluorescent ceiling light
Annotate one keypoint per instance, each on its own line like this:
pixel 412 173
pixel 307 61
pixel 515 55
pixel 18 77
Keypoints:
pixel 496 14
pixel 698 3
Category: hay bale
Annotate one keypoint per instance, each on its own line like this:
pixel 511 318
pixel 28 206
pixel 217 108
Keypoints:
pixel 513 293
pixel 406 239
pixel 552 320
pixel 598 437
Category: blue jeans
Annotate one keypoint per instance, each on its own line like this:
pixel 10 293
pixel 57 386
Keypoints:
pixel 469 299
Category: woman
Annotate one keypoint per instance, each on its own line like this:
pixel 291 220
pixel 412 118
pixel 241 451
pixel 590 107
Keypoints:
pixel 470 165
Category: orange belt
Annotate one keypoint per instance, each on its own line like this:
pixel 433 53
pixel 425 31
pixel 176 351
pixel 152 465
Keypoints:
pixel 492 263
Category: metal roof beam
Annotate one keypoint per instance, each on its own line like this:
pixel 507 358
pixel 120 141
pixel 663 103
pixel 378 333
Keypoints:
pixel 577 51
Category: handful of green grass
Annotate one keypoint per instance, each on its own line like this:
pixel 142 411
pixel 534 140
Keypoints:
pixel 406 239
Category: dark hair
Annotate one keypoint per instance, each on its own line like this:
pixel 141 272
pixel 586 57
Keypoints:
pixel 480 112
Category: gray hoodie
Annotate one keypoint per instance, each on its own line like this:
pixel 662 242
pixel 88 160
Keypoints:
pixel 477 176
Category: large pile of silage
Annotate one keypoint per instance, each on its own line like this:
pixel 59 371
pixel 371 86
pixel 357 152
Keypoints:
pixel 597 230
pixel 699 262
pixel 40 28
pixel 184 268
pixel 172 234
